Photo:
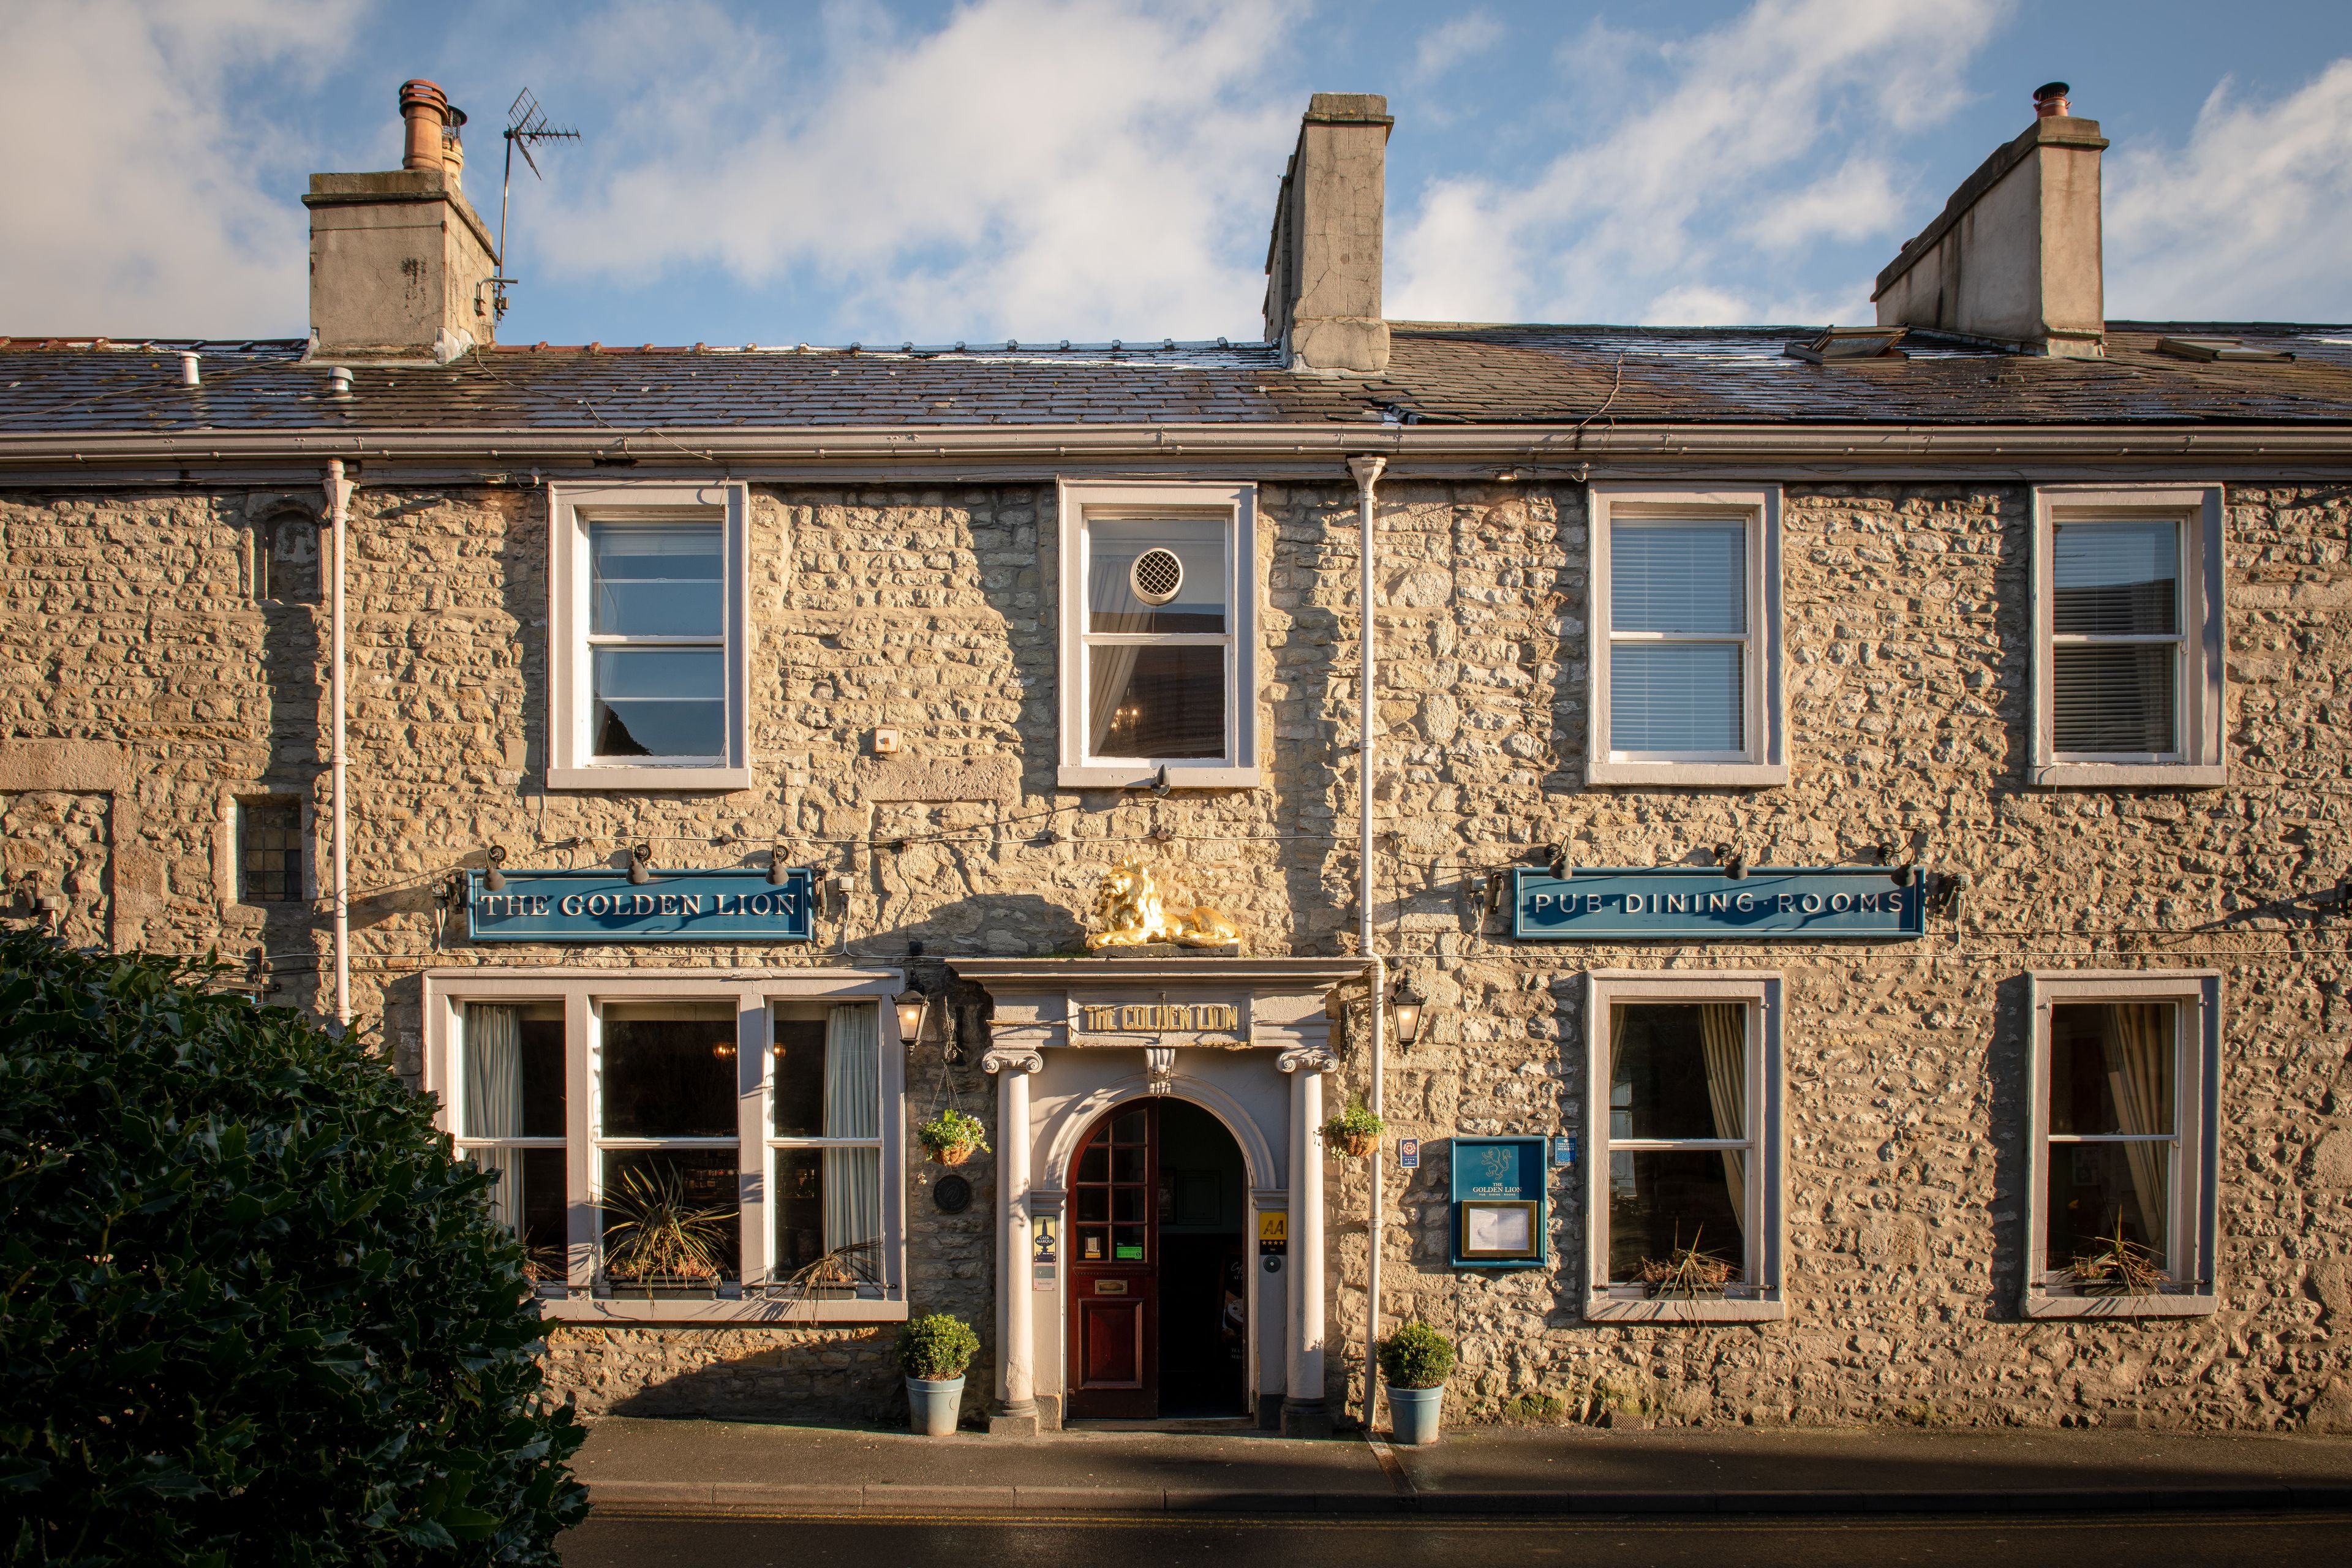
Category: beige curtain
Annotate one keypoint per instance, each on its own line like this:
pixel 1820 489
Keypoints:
pixel 853 1109
pixel 1112 607
pixel 1723 1038
pixel 1620 1118
pixel 2139 1052
pixel 494 1101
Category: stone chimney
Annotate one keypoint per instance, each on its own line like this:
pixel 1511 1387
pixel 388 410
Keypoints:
pixel 400 262
pixel 2014 256
pixel 1323 265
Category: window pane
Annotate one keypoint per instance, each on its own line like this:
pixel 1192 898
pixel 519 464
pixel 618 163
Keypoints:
pixel 1113 549
pixel 2113 698
pixel 656 580
pixel 669 1073
pixel 1680 1072
pixel 528 1198
pixel 660 702
pixel 670 1216
pixel 1156 702
pixel 2111 1066
pixel 1676 697
pixel 514 1073
pixel 2095 1187
pixel 828 1075
pixel 268 851
pixel 1663 1201
pixel 1678 577
pixel 2115 579
pixel 829 1216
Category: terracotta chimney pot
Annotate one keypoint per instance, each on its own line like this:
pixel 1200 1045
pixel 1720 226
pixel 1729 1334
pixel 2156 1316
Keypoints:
pixel 2049 101
pixel 427 108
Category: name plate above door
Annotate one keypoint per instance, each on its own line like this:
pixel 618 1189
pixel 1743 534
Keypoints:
pixel 1704 903
pixel 603 905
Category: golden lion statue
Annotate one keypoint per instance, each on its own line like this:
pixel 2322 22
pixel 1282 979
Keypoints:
pixel 1128 913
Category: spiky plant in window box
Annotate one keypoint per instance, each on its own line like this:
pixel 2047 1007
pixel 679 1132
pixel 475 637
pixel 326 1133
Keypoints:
pixel 1686 1273
pixel 654 1238
pixel 2119 1266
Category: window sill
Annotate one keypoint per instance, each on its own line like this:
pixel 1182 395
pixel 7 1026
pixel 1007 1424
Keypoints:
pixel 2040 1306
pixel 1180 776
pixel 1646 1309
pixel 582 1308
pixel 649 778
pixel 1748 775
pixel 2130 775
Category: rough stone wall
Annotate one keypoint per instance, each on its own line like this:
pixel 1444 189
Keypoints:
pixel 127 618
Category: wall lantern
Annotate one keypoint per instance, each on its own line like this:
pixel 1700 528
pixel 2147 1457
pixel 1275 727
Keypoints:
pixel 1404 1008
pixel 911 1004
pixel 640 857
pixel 1556 859
pixel 494 879
pixel 776 866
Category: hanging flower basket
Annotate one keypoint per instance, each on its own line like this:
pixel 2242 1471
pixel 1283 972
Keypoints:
pixel 951 1136
pixel 1354 1132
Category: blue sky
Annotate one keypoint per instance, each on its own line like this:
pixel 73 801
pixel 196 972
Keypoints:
pixel 826 173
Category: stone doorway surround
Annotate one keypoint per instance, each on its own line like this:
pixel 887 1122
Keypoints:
pixel 1247 1039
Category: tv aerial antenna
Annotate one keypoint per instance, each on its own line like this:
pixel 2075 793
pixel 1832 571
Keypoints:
pixel 526 124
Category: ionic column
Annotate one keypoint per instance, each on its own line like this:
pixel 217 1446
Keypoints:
pixel 1303 1413
pixel 1015 1414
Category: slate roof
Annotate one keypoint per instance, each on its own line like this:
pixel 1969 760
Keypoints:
pixel 1439 374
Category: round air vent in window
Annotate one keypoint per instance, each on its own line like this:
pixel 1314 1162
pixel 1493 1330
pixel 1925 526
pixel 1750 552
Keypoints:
pixel 1156 576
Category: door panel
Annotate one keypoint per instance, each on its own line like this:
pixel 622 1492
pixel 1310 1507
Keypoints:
pixel 1114 1253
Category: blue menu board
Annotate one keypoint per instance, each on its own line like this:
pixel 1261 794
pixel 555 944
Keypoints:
pixel 1501 1210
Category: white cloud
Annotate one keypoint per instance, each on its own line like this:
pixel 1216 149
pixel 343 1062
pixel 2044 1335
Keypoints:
pixel 1032 167
pixel 141 200
pixel 2250 220
pixel 1662 212
pixel 1465 37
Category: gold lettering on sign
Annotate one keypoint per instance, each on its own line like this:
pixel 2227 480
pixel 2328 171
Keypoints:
pixel 1149 1018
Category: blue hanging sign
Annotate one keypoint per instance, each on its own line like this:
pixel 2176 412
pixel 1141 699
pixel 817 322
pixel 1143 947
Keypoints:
pixel 670 906
pixel 1704 903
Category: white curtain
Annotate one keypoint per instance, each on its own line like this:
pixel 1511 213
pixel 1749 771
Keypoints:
pixel 494 1101
pixel 853 1109
pixel 1723 1039
pixel 1112 607
pixel 1621 1111
pixel 2140 1074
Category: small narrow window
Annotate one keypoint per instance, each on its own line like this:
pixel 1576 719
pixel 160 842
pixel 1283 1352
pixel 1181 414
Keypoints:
pixel 285 560
pixel 826 1138
pixel 511 1098
pixel 268 851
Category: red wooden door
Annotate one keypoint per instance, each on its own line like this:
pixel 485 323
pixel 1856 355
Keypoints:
pixel 1114 1253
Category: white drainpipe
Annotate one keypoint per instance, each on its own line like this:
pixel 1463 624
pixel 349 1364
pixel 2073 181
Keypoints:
pixel 1367 472
pixel 339 499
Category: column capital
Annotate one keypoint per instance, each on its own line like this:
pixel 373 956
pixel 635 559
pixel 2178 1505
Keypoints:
pixel 1013 1059
pixel 1308 1059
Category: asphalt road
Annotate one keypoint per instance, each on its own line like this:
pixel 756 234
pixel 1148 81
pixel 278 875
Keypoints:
pixel 2233 1540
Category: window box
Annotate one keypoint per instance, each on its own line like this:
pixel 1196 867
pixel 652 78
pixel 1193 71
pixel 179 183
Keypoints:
pixel 2124 1090
pixel 648 637
pixel 1686 1140
pixel 1684 638
pixel 2127 637
pixel 773 1100
pixel 1159 645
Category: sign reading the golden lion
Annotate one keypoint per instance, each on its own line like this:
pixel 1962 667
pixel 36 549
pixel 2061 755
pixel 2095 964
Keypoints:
pixel 1157 1017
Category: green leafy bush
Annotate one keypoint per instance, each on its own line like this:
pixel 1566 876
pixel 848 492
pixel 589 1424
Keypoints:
pixel 938 1346
pixel 255 1312
pixel 1416 1357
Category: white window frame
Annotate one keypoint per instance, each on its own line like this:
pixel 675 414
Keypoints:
pixel 1763 696
pixel 755 995
pixel 2195 1228
pixel 571 761
pixel 2197 685
pixel 1761 992
pixel 1236 507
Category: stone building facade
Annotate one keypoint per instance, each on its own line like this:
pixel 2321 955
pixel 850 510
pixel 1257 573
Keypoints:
pixel 899 631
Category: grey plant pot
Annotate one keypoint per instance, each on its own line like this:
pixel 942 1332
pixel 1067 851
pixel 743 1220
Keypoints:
pixel 933 1405
pixel 1414 1416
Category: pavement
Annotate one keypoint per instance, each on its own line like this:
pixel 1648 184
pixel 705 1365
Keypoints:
pixel 708 1468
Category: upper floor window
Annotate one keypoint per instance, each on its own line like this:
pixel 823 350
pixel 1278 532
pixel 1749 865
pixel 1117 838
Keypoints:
pixel 650 633
pixel 2121 1216
pixel 1684 640
pixel 1160 635
pixel 286 559
pixel 268 851
pixel 2127 637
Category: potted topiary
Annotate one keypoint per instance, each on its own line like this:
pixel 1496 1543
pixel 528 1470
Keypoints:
pixel 1414 1361
pixel 1355 1131
pixel 951 1136
pixel 933 1351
